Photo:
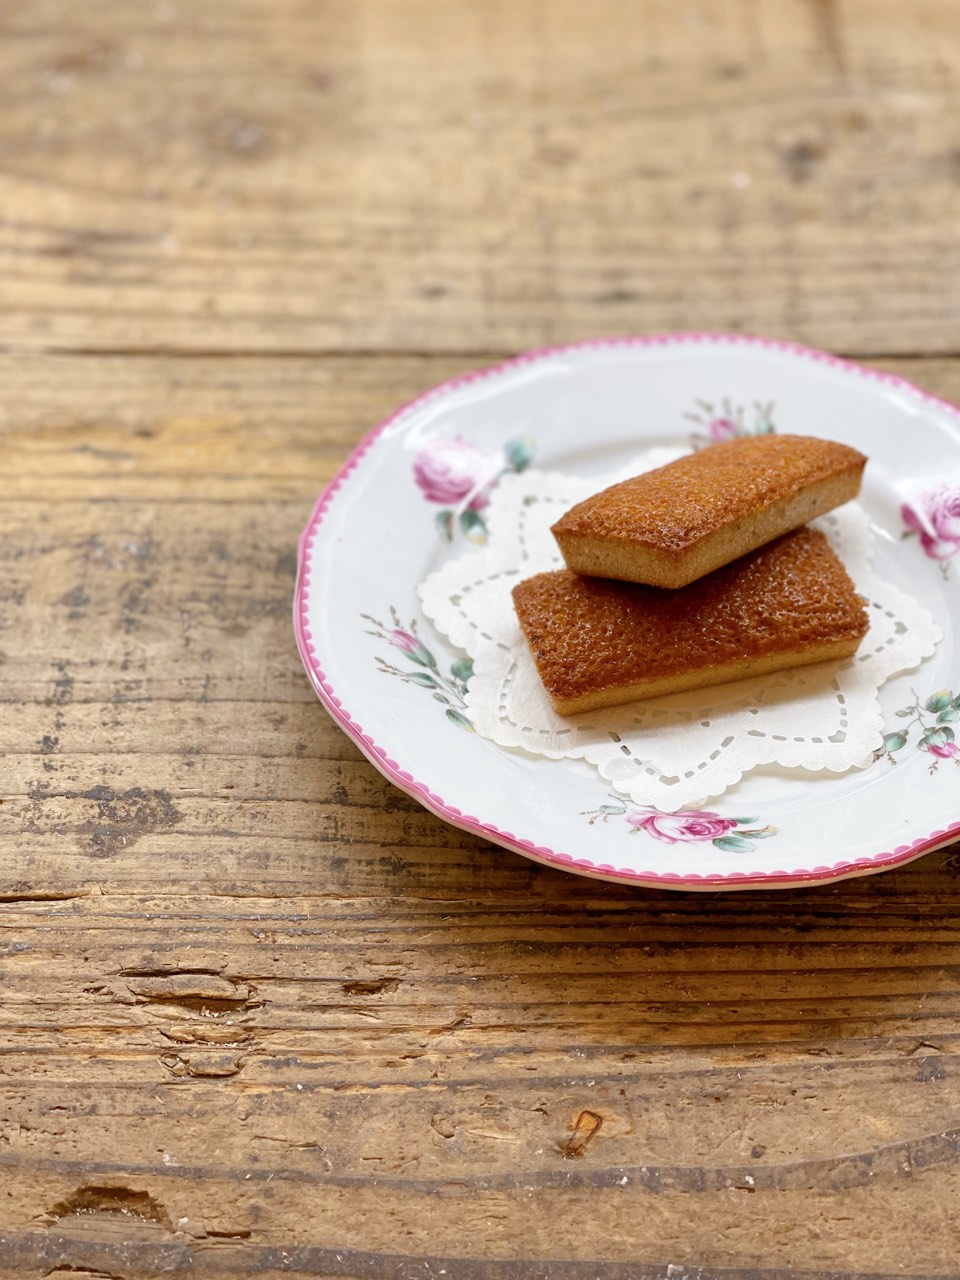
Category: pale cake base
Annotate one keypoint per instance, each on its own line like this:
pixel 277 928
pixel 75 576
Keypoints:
pixel 618 695
pixel 652 566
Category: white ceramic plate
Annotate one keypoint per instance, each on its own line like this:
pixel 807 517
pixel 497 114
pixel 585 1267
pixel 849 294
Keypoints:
pixel 413 494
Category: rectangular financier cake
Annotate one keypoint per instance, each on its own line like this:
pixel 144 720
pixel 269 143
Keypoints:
pixel 598 643
pixel 671 526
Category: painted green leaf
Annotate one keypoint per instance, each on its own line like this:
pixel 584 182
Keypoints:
pixel 939 701
pixel 745 822
pixel 760 833
pixel 444 523
pixel 462 669
pixel 948 716
pixel 422 657
pixel 460 721
pixel 473 525
pixel 956 702
pixel 421 677
pixel 733 844
pixel 936 737
pixel 907 711
pixel 948 733
pixel 519 453
pixel 612 810
pixel 442 697
pixel 894 741
pixel 765 428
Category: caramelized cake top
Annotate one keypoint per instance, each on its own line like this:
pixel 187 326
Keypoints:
pixel 676 505
pixel 590 633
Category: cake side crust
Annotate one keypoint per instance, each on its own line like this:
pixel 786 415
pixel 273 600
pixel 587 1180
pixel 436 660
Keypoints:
pixel 744 670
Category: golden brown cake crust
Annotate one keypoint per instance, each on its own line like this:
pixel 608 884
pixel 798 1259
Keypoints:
pixel 672 525
pixel 787 603
pixel 675 505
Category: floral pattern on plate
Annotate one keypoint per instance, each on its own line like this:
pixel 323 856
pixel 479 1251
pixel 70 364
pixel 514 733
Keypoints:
pixel 935 516
pixel 688 826
pixel 934 719
pixel 424 671
pixel 727 421
pixel 459 478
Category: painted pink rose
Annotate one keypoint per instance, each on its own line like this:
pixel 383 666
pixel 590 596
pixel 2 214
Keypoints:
pixel 686 826
pixel 411 646
pixel 936 517
pixel 944 750
pixel 449 472
pixel 722 429
pixel 404 640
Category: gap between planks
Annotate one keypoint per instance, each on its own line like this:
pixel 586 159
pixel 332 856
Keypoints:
pixel 446 354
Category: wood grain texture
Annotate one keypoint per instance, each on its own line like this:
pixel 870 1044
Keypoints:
pixel 264 1015
pixel 261 1014
pixel 335 175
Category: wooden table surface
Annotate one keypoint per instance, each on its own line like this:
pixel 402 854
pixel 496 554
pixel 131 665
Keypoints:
pixel 261 1014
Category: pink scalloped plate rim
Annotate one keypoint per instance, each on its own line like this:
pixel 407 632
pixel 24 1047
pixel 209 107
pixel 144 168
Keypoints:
pixel 420 791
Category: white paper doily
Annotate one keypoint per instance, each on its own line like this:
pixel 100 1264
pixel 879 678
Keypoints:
pixel 686 748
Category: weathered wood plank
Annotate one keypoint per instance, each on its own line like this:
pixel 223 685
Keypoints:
pixel 433 177
pixel 213 431
pixel 259 1012
pixel 99 429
